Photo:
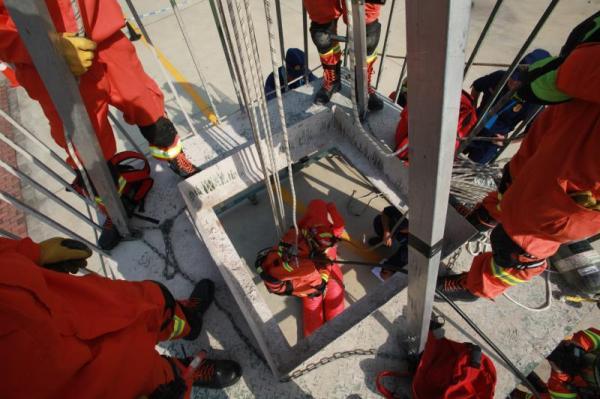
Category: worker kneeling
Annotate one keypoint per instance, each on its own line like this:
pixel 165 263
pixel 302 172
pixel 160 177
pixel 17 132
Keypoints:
pixel 309 271
pixel 65 336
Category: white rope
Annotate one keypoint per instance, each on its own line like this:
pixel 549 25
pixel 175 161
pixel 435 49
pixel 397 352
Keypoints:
pixel 547 305
pixel 262 100
pixel 281 110
pixel 250 104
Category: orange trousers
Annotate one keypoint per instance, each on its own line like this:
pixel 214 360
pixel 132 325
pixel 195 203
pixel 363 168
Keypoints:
pixel 317 310
pixel 115 78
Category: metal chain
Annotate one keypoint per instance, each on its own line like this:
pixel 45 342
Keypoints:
pixel 451 262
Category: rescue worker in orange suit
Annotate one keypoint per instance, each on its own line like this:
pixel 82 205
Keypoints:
pixel 324 15
pixel 575 369
pixel 549 191
pixel 309 272
pixel 109 73
pixel 65 336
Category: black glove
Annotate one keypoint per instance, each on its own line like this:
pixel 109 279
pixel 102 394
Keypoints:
pixel 568 357
pixel 63 254
pixel 173 390
pixel 505 180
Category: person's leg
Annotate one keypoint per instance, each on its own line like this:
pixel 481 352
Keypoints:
pixel 134 93
pixel 312 314
pixel 333 302
pixel 330 55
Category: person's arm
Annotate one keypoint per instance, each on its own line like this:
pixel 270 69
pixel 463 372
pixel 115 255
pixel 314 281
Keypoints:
pixel 387 235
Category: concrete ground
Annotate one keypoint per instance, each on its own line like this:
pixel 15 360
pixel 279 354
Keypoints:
pixel 351 377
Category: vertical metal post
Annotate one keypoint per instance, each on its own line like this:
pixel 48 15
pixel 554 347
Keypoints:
pixel 517 132
pixel 360 55
pixel 435 79
pixel 226 50
pixel 305 33
pixel 485 115
pixel 281 44
pixel 385 42
pixel 39 36
pixel 214 118
pixel 482 36
pixel 169 81
pixel 399 85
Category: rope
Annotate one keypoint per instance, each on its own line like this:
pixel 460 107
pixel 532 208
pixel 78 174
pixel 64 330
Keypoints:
pixel 547 304
pixel 286 142
pixel 262 100
pixel 252 113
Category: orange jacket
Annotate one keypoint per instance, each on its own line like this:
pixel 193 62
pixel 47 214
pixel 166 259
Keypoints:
pixel 286 274
pixel 64 336
pixel 559 156
pixel 325 11
pixel 101 18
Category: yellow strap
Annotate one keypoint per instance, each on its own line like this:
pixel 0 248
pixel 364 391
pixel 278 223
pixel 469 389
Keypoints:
pixel 554 394
pixel 287 267
pixel 178 325
pixel 168 153
pixel 594 337
pixel 503 276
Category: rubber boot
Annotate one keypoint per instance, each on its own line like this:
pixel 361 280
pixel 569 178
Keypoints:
pixel 196 305
pixel 331 76
pixel 375 103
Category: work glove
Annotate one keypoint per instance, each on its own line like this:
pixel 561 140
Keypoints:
pixel 586 199
pixel 63 254
pixel 77 51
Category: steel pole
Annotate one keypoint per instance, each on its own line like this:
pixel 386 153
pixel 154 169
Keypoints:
pixel 214 118
pixel 513 66
pixel 124 132
pixel 48 220
pixel 399 85
pixel 435 80
pixel 360 55
pixel 37 32
pixel 385 42
pixel 281 44
pixel 226 50
pixel 305 33
pixel 482 35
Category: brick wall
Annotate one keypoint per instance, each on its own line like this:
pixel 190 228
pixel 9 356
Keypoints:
pixel 11 219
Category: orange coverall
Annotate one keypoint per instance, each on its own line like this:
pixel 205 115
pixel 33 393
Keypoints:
pixel 116 76
pixel 558 156
pixel 324 11
pixel 64 336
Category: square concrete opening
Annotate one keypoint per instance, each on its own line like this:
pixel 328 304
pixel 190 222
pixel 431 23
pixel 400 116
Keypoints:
pixel 234 229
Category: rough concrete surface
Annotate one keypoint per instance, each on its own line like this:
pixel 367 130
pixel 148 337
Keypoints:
pixel 528 335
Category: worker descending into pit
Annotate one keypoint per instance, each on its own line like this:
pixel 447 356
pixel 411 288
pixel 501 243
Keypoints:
pixel 309 272
pixel 66 336
pixel 391 226
pixel 324 16
pixel 108 72
pixel 550 190
pixel 515 111
pixel 294 68
pixel 575 369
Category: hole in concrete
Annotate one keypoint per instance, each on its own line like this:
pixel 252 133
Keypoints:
pixel 328 176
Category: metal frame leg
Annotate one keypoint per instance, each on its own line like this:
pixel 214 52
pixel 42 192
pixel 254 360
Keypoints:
pixel 435 79
pixel 305 33
pixel 360 55
pixel 385 42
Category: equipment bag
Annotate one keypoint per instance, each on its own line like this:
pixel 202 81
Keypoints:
pixel 131 173
pixel 449 370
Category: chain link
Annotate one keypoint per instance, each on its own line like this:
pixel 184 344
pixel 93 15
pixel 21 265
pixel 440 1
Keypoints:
pixel 452 259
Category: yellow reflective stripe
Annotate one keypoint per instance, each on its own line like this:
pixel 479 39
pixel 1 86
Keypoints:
pixel 325 235
pixel 371 58
pixel 554 394
pixel 325 277
pixel 335 49
pixel 287 267
pixel 168 153
pixel 122 182
pixel 178 325
pixel 504 276
pixel 594 337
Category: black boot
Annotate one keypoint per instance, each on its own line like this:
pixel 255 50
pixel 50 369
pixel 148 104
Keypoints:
pixel 375 103
pixel 215 374
pixel 110 237
pixel 454 287
pixel 331 83
pixel 182 166
pixel 197 304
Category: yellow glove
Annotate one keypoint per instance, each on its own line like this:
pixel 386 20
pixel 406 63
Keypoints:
pixel 586 199
pixel 63 254
pixel 77 51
